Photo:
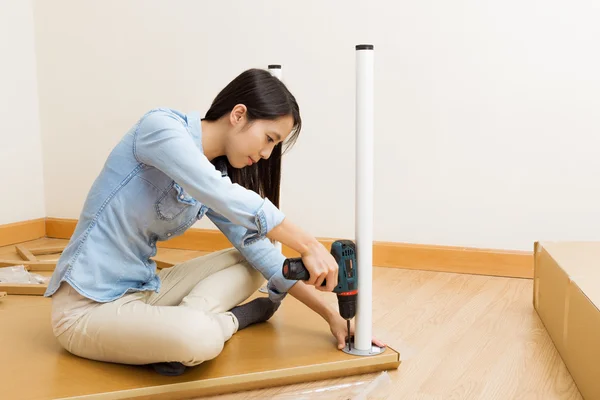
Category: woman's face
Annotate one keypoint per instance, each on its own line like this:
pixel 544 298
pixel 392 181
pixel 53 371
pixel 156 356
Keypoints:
pixel 249 142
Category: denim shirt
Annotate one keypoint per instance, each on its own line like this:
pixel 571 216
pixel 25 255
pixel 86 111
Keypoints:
pixel 155 184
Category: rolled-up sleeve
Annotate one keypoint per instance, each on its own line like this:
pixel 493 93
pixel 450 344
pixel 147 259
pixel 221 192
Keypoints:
pixel 163 141
pixel 262 255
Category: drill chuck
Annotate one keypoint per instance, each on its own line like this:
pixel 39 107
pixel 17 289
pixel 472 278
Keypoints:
pixel 347 305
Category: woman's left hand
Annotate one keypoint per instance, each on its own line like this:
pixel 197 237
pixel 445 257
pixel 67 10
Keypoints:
pixel 339 329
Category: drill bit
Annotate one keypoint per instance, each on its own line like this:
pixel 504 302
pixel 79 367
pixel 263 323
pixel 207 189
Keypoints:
pixel 349 342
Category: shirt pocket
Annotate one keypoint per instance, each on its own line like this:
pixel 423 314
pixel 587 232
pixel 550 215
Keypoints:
pixel 173 202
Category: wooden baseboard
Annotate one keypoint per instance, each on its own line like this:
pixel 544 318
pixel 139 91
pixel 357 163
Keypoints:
pixel 515 264
pixel 507 263
pixel 60 228
pixel 19 232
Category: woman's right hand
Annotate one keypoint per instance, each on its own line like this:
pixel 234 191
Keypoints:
pixel 321 265
pixel 318 261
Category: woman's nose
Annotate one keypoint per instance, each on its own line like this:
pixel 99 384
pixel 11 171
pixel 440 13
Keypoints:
pixel 266 153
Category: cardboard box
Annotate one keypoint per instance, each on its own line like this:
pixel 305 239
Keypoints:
pixel 566 295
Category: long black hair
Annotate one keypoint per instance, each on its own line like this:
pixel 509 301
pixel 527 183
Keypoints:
pixel 265 97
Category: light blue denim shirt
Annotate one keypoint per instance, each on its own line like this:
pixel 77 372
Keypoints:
pixel 155 184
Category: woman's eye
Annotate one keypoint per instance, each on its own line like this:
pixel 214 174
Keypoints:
pixel 269 139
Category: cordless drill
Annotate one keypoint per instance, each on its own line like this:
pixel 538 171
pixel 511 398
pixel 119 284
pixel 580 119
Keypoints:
pixel 344 253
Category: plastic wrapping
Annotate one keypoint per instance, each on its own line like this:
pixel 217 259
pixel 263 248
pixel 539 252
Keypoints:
pixel 18 274
pixel 368 389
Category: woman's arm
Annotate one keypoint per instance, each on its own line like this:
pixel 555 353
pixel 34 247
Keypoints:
pixel 330 313
pixel 262 255
pixel 307 295
pixel 293 236
pixel 161 140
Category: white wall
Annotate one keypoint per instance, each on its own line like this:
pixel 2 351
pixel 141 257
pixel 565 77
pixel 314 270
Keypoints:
pixel 486 111
pixel 22 193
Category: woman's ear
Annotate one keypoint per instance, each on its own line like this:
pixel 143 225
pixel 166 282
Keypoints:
pixel 238 115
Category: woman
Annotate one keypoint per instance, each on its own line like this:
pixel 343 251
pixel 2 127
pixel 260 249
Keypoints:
pixel 165 174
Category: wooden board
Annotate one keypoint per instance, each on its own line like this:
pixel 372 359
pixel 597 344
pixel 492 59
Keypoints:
pixel 494 262
pixel 40 265
pixel 25 254
pixel 294 346
pixel 24 288
pixel 2 294
pixel 9 251
pixel 47 250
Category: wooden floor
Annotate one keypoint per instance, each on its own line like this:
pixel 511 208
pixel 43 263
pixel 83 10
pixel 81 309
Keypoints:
pixel 459 337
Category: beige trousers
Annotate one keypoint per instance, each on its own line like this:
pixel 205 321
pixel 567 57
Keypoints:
pixel 187 321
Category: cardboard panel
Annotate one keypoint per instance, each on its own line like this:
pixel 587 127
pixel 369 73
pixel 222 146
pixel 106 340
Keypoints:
pixel 567 299
pixel 551 290
pixel 582 343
